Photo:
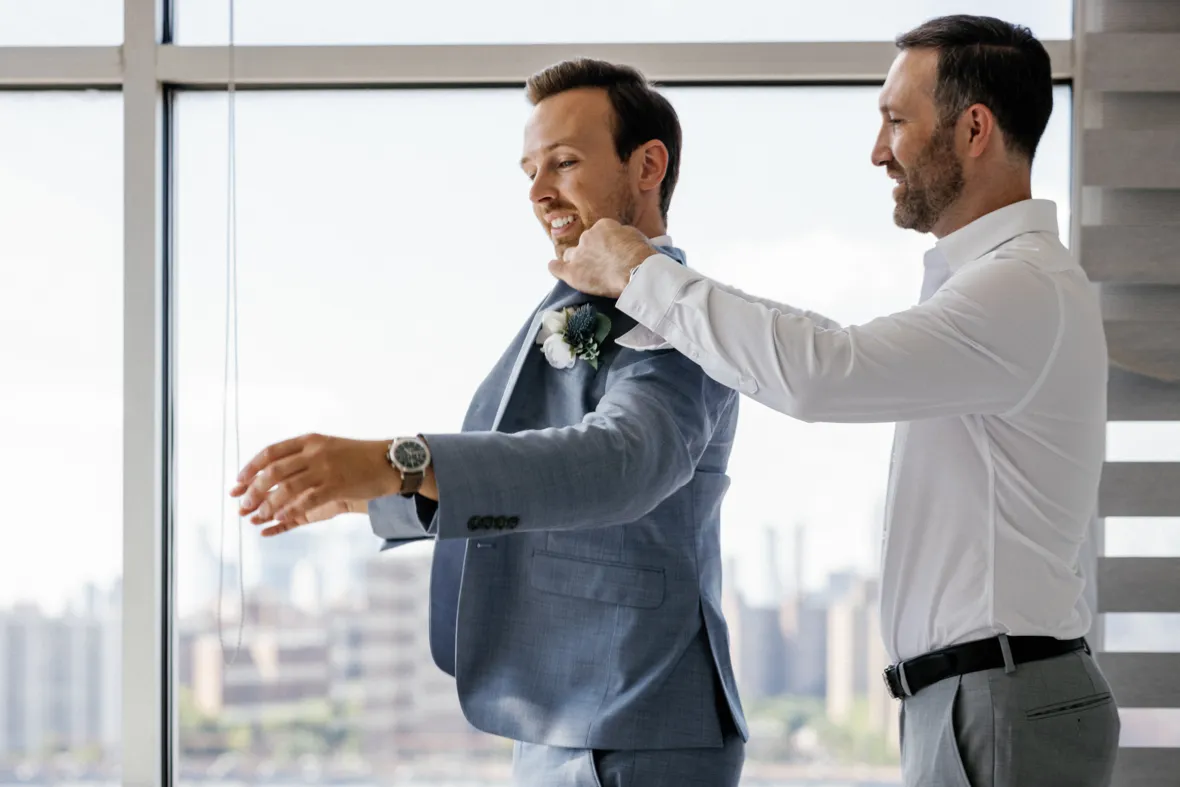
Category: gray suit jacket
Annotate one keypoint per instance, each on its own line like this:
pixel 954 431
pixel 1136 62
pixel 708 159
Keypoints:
pixel 576 585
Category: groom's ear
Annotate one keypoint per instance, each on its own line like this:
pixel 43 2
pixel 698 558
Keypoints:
pixel 651 159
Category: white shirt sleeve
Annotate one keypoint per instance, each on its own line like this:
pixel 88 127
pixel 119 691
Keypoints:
pixel 980 345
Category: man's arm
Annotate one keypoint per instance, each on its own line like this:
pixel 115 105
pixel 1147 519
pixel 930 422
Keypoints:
pixel 820 321
pixel 641 444
pixel 978 346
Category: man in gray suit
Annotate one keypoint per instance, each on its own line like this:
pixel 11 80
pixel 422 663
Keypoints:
pixel 576 587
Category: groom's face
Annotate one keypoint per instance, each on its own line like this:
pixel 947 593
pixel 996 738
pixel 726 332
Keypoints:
pixel 577 176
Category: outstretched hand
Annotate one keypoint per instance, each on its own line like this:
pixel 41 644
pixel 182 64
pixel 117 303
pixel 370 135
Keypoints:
pixel 312 478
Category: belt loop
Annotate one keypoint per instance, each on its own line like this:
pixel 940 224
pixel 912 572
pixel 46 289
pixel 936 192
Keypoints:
pixel 1006 649
pixel 905 684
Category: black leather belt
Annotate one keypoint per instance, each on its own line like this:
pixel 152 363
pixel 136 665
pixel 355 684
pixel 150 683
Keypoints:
pixel 909 677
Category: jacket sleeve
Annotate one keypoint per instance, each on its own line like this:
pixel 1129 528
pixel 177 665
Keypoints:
pixel 641 443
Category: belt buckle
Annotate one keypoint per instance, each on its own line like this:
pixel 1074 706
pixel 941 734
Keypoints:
pixel 892 683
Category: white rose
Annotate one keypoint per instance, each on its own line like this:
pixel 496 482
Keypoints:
pixel 551 322
pixel 558 353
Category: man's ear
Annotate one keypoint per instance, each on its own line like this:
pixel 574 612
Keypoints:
pixel 981 129
pixel 652 160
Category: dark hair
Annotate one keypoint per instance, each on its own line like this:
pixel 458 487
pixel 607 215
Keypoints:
pixel 641 113
pixel 983 60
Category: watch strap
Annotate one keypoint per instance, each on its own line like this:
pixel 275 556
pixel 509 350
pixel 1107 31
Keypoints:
pixel 411 483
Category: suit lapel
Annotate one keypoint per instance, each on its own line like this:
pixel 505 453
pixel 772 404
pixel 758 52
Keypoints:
pixel 521 356
pixel 560 297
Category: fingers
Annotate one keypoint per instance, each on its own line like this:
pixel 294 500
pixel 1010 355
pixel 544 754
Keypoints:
pixel 298 507
pixel 282 527
pixel 268 478
pixel 305 518
pixel 302 518
pixel 265 457
pixel 281 496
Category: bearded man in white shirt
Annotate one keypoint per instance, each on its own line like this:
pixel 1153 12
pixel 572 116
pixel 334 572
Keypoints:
pixel 997 382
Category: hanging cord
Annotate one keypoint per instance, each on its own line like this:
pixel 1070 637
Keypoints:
pixel 231 352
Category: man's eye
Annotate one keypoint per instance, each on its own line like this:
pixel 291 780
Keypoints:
pixel 566 163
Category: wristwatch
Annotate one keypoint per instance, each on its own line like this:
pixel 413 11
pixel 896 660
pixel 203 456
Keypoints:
pixel 410 456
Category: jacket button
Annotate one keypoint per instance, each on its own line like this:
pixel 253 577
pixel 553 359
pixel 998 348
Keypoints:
pixel 513 521
pixel 473 523
pixel 501 522
pixel 486 522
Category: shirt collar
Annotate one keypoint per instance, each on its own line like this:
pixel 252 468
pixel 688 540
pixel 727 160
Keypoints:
pixel 661 240
pixel 997 228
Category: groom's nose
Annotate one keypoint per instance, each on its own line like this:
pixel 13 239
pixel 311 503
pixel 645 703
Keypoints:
pixel 542 189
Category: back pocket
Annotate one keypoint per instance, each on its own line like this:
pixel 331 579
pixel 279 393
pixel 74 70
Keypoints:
pixel 1072 706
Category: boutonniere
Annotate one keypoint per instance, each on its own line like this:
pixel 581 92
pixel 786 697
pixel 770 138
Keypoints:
pixel 572 333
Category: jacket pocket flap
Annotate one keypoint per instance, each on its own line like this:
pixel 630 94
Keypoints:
pixel 611 583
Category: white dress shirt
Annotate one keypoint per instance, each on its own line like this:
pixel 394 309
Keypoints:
pixel 997 380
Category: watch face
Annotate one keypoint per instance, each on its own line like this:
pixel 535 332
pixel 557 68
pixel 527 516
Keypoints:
pixel 410 455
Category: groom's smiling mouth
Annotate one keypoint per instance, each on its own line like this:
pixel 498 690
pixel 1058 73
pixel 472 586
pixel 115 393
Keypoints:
pixel 561 225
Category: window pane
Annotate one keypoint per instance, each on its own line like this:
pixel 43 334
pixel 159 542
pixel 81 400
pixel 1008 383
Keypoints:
pixel 1150 727
pixel 1147 536
pixel 61 22
pixel 518 21
pixel 1139 632
pixel 371 224
pixel 61 383
pixel 359 239
pixel 1143 441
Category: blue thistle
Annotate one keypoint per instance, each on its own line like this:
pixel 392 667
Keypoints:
pixel 581 327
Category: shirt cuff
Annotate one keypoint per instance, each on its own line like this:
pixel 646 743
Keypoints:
pixel 397 518
pixel 653 289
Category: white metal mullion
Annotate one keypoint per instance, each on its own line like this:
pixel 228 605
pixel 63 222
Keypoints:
pixel 57 67
pixel 144 494
pixel 466 64
pixel 1097 635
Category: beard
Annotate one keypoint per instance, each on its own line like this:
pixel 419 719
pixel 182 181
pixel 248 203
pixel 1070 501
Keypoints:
pixel 931 184
pixel 620 206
